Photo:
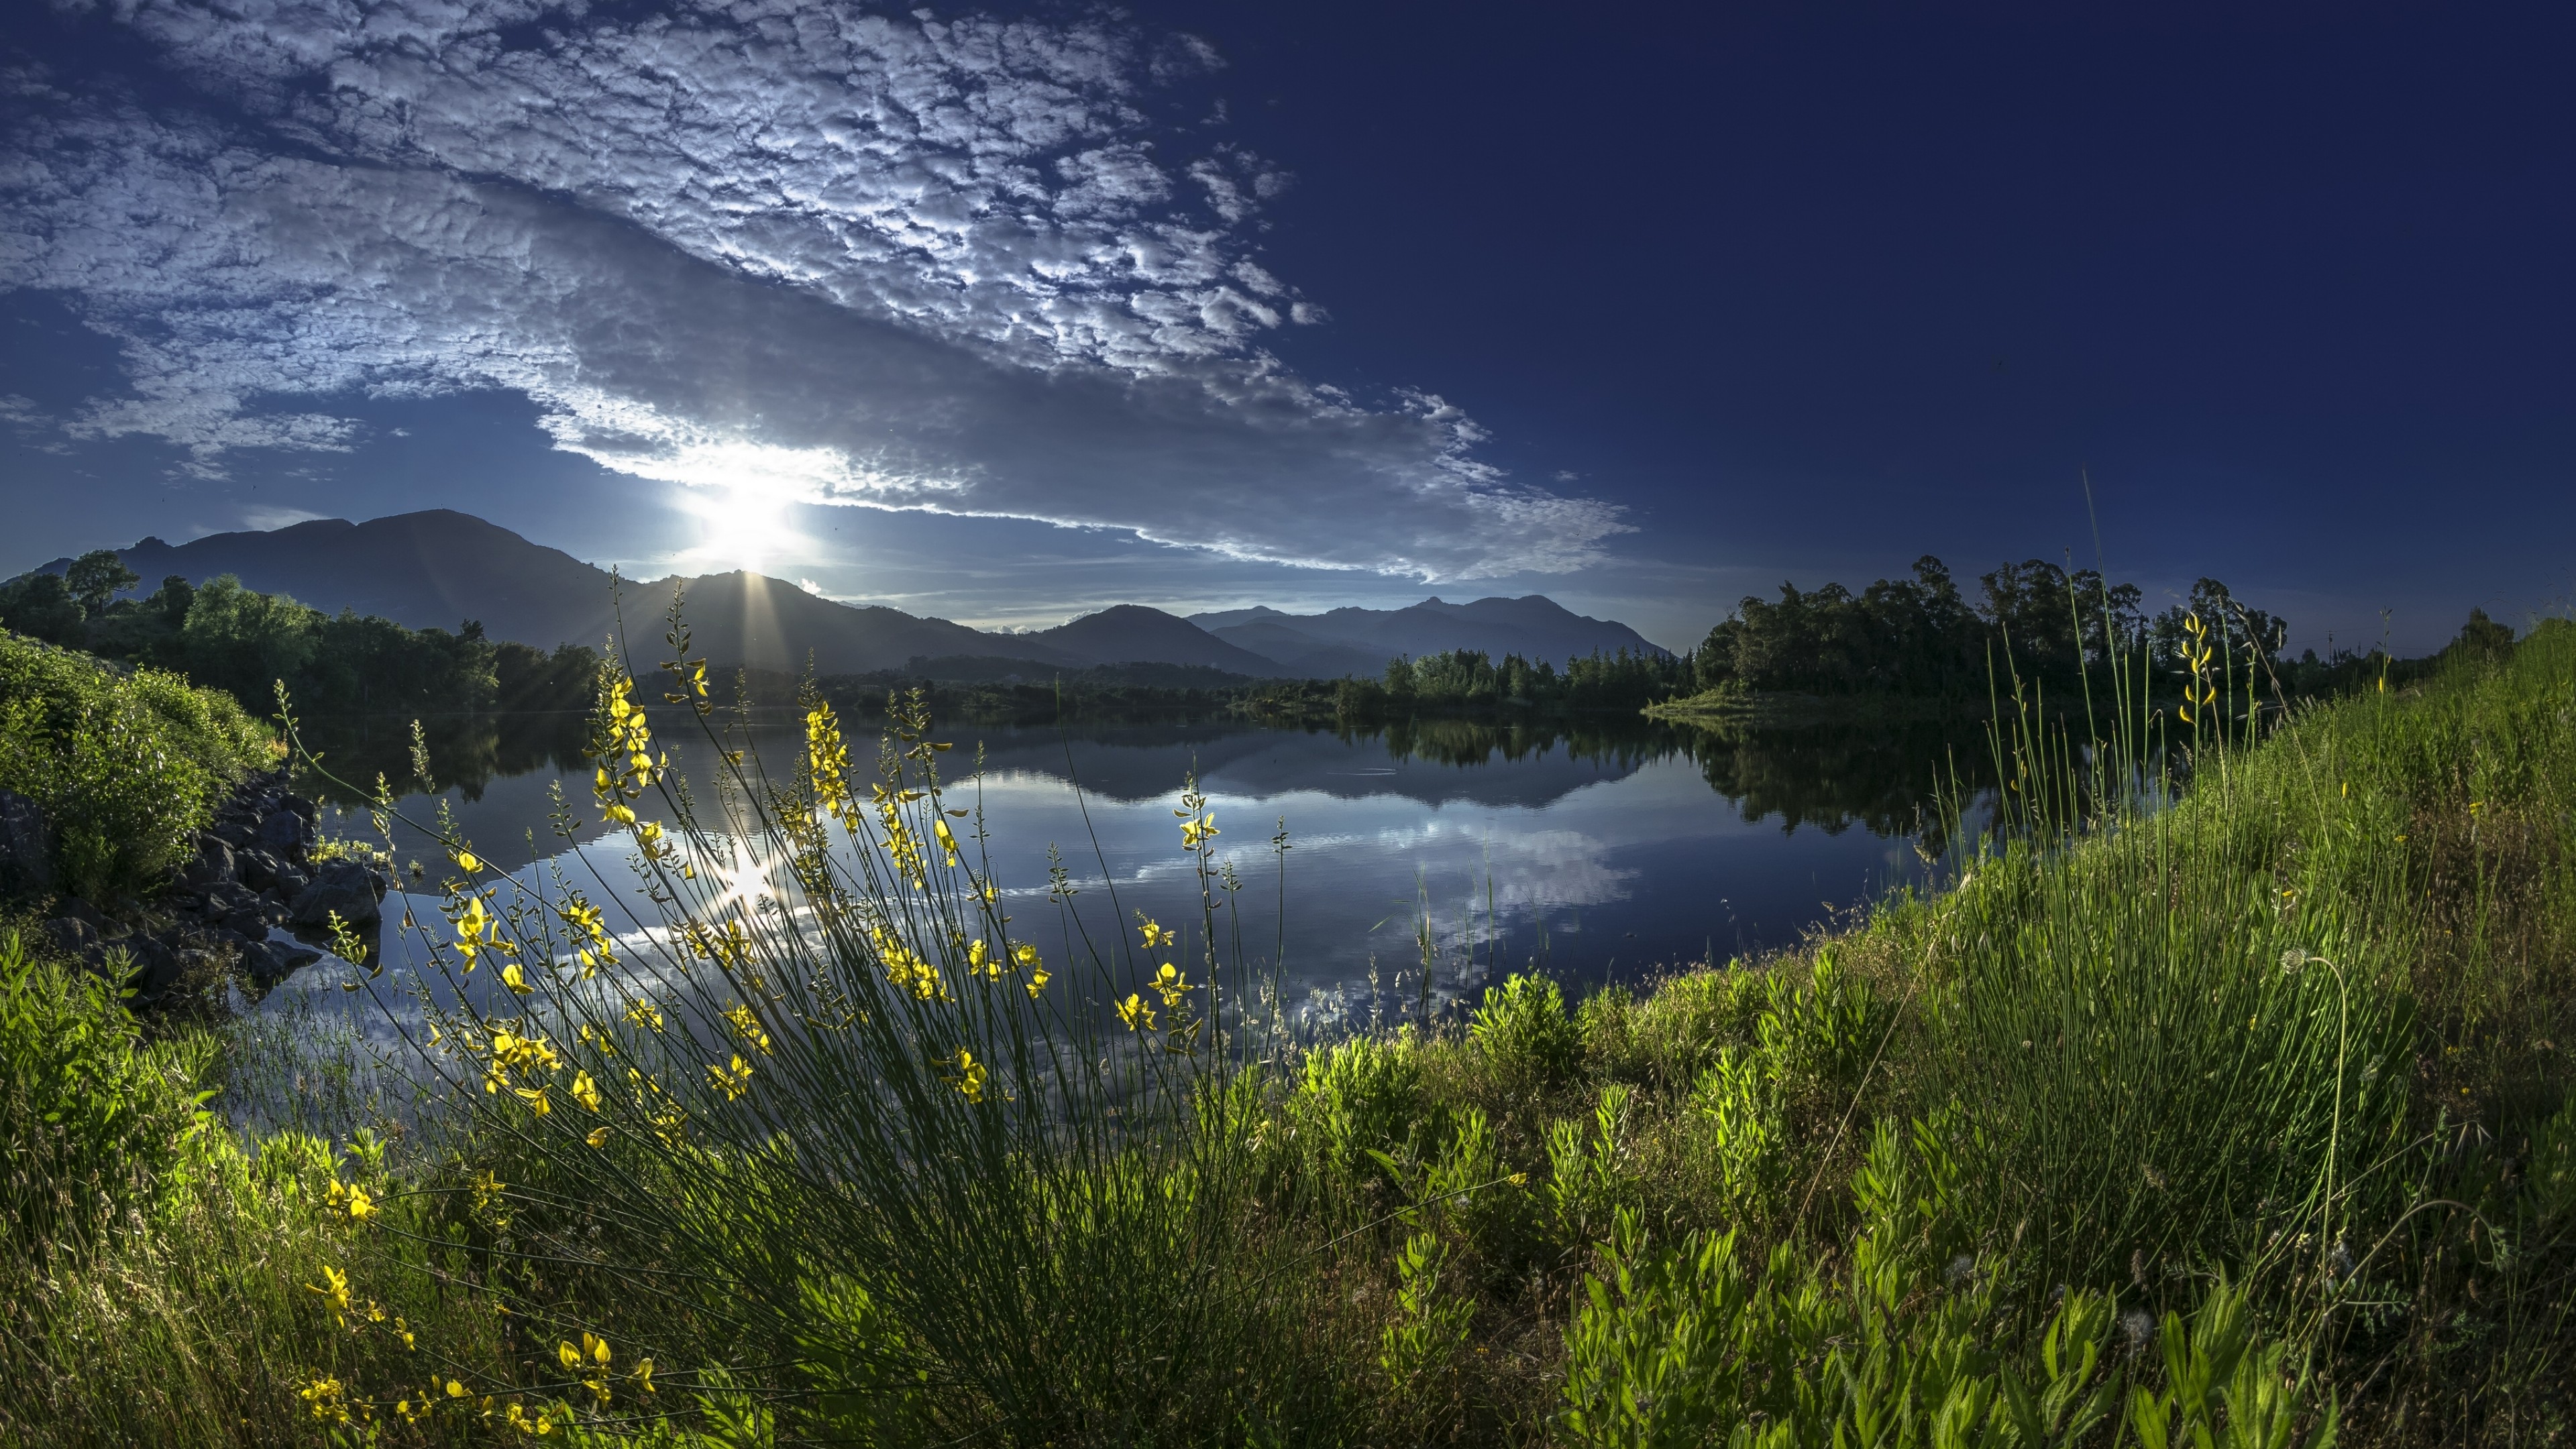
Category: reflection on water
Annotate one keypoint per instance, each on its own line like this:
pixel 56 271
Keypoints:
pixel 1600 852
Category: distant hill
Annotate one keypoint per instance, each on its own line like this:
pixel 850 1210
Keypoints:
pixel 439 568
pixel 1534 627
pixel 1132 633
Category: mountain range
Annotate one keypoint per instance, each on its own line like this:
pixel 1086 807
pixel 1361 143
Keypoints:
pixel 438 568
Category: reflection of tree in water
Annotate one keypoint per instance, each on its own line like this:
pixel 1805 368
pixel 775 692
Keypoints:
pixel 466 752
pixel 1617 744
pixel 1884 778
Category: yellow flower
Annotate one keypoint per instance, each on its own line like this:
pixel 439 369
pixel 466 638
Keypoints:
pixel 644 1375
pixel 465 861
pixel 335 1291
pixel 570 1355
pixel 733 1083
pixel 585 1091
pixel 644 1014
pixel 598 1137
pixel 515 979
pixel 323 1395
pixel 535 1097
pixel 1037 982
pixel 361 1206
pixel 1155 936
pixel 749 1025
pixel 1170 983
pixel 1134 1012
pixel 455 1390
pixel 970 1075
pixel 595 1347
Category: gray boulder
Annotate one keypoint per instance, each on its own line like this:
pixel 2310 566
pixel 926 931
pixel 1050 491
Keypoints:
pixel 286 833
pixel 344 886
pixel 71 935
pixel 26 866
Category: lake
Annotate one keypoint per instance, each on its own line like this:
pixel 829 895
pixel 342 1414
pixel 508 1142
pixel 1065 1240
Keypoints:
pixel 1598 852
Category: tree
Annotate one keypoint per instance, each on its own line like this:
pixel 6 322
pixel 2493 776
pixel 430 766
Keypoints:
pixel 96 577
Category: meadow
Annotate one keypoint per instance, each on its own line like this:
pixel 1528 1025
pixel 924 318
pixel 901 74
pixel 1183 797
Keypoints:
pixel 2216 1100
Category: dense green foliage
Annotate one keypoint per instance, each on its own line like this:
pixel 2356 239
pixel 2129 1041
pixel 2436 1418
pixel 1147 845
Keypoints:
pixel 125 766
pixel 228 637
pixel 1469 682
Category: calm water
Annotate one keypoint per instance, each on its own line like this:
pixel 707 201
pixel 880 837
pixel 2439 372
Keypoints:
pixel 1599 854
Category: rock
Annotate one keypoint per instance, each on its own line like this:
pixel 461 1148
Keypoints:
pixel 214 862
pixel 291 881
pixel 71 935
pixel 235 833
pixel 301 806
pixel 286 833
pixel 26 865
pixel 344 886
pixel 81 910
pixel 156 965
pixel 258 869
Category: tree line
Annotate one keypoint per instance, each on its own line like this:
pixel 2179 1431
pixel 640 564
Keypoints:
pixel 242 641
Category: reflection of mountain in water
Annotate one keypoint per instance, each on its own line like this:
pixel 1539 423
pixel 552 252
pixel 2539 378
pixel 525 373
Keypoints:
pixel 1434 764
pixel 1881 778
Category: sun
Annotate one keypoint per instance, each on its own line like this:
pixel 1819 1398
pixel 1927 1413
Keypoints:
pixel 738 528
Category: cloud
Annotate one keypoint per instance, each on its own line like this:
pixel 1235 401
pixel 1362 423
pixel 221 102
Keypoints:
pixel 804 250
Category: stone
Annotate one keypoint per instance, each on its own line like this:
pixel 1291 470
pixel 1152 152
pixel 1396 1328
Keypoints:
pixel 258 869
pixel 71 935
pixel 213 863
pixel 81 910
pixel 235 833
pixel 156 965
pixel 344 886
pixel 26 864
pixel 286 833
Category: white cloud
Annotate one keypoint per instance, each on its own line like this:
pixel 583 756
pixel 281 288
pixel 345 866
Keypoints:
pixel 799 249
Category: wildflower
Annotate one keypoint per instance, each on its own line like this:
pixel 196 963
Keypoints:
pixel 570 1355
pixel 1193 832
pixel 749 1025
pixel 536 1099
pixel 361 1206
pixel 324 1396
pixel 513 978
pixel 947 842
pixel 644 1014
pixel 981 961
pixel 1170 983
pixel 733 1082
pixel 402 1330
pixel 466 861
pixel 594 1348
pixel 644 1375
pixel 1155 936
pixel 598 1137
pixel 585 1091
pixel 455 1390
pixel 970 1075
pixel 1037 982
pixel 335 1292
pixel 485 1188
pixel 1134 1012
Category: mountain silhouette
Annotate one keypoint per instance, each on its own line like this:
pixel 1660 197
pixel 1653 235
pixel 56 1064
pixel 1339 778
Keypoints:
pixel 439 568
pixel 1535 627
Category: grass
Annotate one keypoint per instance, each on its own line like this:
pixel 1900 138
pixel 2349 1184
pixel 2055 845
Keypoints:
pixel 2236 1120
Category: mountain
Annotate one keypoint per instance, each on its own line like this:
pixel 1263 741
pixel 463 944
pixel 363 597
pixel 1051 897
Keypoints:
pixel 439 568
pixel 1332 643
pixel 1131 633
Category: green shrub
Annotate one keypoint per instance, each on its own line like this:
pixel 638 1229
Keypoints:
pixel 1361 1098
pixel 1524 1035
pixel 125 767
pixel 91 1116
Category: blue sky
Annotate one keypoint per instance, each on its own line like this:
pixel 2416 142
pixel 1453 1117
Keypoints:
pixel 1007 314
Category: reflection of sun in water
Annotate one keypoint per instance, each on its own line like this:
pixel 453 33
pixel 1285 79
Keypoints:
pixel 738 528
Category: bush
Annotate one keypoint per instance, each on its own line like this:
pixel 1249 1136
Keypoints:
pixel 91 1115
pixel 125 767
pixel 1524 1034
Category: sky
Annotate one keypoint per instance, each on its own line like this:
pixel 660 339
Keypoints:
pixel 1006 314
